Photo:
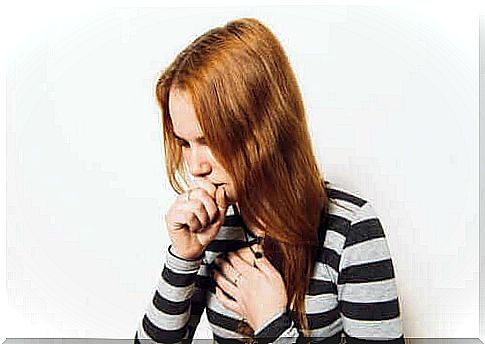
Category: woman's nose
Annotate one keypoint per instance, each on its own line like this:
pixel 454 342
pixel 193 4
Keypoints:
pixel 198 163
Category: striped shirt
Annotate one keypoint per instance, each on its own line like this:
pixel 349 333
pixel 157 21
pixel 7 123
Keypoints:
pixel 351 294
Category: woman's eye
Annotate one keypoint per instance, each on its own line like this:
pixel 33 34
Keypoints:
pixel 182 143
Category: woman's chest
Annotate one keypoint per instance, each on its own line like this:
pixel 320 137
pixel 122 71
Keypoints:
pixel 320 300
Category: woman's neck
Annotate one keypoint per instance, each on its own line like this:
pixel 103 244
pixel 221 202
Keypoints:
pixel 254 230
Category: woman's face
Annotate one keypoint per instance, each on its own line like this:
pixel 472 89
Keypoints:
pixel 197 155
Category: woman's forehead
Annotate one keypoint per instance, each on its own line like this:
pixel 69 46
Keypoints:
pixel 183 115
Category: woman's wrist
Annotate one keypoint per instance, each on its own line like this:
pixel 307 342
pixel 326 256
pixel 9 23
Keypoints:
pixel 174 251
pixel 179 263
pixel 273 326
pixel 269 321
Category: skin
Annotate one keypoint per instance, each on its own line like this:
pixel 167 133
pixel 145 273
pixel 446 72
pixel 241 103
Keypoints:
pixel 260 291
pixel 198 156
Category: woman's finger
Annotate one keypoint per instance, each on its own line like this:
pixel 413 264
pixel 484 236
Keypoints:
pixel 221 199
pixel 206 185
pixel 265 266
pixel 227 269
pixel 192 222
pixel 197 207
pixel 209 204
pixel 227 302
pixel 225 285
pixel 246 254
pixel 239 264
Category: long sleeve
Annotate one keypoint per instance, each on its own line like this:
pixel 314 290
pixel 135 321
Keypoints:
pixel 367 293
pixel 175 310
pixel 282 329
pixel 279 329
pixel 367 302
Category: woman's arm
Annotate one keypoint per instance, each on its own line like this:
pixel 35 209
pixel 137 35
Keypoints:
pixel 176 308
pixel 367 293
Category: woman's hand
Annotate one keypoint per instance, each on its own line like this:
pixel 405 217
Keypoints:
pixel 195 218
pixel 259 292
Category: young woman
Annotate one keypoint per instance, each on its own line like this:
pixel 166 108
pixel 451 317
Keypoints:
pixel 259 240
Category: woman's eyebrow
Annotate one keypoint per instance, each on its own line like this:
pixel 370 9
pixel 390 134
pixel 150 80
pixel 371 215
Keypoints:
pixel 197 139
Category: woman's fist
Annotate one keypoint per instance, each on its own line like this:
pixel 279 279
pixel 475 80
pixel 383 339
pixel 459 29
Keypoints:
pixel 194 219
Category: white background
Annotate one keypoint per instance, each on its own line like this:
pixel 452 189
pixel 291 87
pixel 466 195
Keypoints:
pixel 392 101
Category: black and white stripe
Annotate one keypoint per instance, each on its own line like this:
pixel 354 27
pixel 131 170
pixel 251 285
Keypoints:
pixel 352 290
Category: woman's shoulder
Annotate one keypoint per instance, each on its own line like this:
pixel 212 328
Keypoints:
pixel 349 210
pixel 344 200
pixel 353 226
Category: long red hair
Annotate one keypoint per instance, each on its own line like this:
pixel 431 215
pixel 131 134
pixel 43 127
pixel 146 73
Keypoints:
pixel 251 112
